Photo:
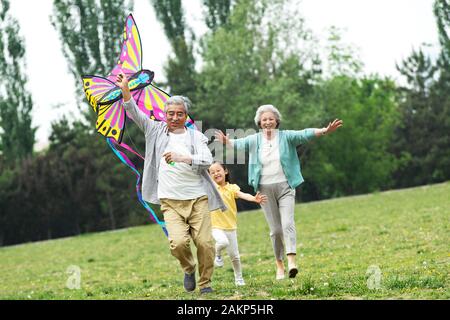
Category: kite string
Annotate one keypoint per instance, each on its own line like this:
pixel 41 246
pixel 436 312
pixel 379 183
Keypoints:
pixel 137 153
pixel 125 160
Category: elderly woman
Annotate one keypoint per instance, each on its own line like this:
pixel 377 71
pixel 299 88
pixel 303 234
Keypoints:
pixel 274 170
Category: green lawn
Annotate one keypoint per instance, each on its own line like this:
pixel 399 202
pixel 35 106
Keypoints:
pixel 405 233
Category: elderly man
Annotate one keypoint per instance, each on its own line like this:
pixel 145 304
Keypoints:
pixel 176 176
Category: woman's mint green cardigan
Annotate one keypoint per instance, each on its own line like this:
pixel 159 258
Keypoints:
pixel 288 142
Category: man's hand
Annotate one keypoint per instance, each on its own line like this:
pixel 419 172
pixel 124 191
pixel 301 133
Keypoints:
pixel 122 83
pixel 173 157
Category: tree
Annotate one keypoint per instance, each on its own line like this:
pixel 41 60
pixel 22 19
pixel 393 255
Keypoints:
pixel 356 159
pixel 263 55
pixel 8 190
pixel 440 93
pixel 421 143
pixel 411 144
pixel 180 68
pixel 17 135
pixel 252 62
pixel 341 57
pixel 441 10
pixel 218 12
pixel 91 35
pixel 442 14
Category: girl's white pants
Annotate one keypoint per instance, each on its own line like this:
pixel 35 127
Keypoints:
pixel 228 240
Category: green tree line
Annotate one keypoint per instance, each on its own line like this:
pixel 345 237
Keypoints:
pixel 254 53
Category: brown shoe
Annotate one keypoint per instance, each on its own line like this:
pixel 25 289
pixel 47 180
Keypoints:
pixel 189 282
pixel 206 290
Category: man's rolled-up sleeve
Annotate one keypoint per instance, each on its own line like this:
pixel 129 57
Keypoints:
pixel 203 158
pixel 140 118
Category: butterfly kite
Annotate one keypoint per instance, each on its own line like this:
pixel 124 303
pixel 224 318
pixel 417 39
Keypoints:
pixel 106 99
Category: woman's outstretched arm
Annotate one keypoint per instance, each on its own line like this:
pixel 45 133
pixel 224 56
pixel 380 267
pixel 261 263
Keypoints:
pixel 332 126
pixel 223 138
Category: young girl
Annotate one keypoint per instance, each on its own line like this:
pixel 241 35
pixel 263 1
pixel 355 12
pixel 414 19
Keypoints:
pixel 224 224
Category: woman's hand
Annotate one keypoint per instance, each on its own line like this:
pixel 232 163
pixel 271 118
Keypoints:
pixel 222 137
pixel 260 198
pixel 333 126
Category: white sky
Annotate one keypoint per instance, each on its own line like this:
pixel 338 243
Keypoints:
pixel 384 31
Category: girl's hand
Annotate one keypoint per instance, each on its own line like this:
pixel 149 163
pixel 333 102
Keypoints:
pixel 260 198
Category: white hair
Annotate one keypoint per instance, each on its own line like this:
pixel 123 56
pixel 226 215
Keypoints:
pixel 267 108
pixel 179 101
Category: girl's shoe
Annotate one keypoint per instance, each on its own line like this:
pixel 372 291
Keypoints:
pixel 218 262
pixel 240 282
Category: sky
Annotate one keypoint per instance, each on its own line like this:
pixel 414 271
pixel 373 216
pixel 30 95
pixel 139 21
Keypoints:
pixel 384 32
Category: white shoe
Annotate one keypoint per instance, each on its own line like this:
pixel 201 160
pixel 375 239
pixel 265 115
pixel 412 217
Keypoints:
pixel 240 282
pixel 218 262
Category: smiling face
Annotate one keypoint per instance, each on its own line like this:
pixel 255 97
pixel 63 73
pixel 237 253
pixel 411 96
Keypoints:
pixel 218 173
pixel 268 121
pixel 176 117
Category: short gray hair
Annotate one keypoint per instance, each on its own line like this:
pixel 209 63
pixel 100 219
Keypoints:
pixel 179 101
pixel 267 108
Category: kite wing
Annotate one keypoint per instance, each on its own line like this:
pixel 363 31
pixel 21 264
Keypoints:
pixel 130 59
pixel 111 120
pixel 151 100
pixel 105 98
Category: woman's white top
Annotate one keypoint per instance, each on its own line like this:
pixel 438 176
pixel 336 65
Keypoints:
pixel 272 172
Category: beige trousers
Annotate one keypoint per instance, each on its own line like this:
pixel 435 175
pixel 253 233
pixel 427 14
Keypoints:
pixel 186 220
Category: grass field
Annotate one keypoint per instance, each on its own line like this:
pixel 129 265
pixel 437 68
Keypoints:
pixel 390 245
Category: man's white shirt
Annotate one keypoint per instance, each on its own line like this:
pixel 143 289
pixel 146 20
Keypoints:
pixel 178 181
